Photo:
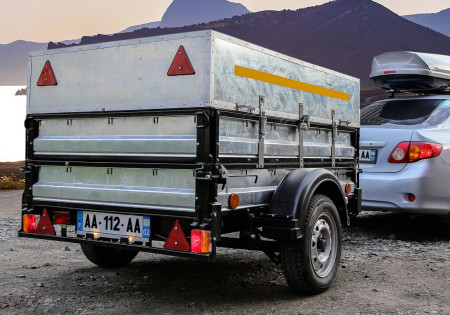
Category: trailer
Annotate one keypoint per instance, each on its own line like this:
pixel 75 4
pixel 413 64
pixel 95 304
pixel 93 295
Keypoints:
pixel 183 143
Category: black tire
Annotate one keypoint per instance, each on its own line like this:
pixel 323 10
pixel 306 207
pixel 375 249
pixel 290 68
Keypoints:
pixel 108 257
pixel 310 264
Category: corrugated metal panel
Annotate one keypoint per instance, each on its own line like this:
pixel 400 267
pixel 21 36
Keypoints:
pixel 125 187
pixel 170 136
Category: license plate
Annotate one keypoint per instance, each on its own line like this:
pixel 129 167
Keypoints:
pixel 113 225
pixel 368 156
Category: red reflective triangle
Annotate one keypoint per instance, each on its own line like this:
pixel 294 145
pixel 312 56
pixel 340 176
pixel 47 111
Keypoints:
pixel 45 226
pixel 47 76
pixel 181 64
pixel 176 239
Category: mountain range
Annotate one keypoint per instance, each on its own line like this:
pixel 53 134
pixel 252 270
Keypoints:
pixel 439 22
pixel 342 35
pixel 189 12
pixel 14 61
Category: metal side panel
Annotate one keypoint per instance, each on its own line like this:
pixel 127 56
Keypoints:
pixel 254 187
pixel 148 136
pixel 162 189
pixel 243 71
pixel 239 137
pixel 126 75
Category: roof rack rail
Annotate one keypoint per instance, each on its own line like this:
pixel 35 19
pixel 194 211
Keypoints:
pixel 431 91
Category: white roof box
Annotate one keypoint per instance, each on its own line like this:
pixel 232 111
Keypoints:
pixel 406 70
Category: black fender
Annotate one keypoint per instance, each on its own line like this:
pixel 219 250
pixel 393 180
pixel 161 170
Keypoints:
pixel 292 197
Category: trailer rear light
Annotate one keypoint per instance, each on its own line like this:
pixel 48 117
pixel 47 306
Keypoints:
pixel 177 239
pixel 200 241
pixel 61 217
pixel 411 197
pixel 390 72
pixel 233 201
pixel 29 223
pixel 410 152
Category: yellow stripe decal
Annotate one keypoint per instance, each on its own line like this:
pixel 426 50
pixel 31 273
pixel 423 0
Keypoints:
pixel 293 84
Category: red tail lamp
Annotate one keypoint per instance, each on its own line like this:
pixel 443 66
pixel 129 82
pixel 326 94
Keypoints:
pixel 29 223
pixel 410 152
pixel 200 241
pixel 61 217
pixel 411 197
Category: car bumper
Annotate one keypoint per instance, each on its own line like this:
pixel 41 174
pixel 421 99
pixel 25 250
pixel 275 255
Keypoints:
pixel 428 180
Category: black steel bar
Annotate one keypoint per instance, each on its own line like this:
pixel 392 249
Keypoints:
pixel 142 248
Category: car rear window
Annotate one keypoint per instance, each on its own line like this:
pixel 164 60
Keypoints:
pixel 406 112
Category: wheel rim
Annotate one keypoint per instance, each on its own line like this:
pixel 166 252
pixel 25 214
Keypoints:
pixel 323 245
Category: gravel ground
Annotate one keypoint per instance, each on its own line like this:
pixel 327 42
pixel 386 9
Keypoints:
pixel 391 264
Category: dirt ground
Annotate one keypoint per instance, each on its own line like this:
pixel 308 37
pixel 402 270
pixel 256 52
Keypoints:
pixel 391 264
pixel 12 169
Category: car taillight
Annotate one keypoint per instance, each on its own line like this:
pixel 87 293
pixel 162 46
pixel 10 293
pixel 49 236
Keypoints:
pixel 410 152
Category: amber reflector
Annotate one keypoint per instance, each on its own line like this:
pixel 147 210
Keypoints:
pixel 233 201
pixel 348 189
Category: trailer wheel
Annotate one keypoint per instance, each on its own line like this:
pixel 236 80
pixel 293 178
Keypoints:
pixel 108 257
pixel 310 263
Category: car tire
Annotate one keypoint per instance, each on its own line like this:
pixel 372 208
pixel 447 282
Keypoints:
pixel 108 257
pixel 310 263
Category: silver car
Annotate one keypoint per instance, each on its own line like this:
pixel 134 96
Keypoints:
pixel 405 155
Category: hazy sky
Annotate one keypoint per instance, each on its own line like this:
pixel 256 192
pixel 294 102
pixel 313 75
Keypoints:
pixel 56 20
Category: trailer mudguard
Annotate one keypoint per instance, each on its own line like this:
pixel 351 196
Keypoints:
pixel 291 199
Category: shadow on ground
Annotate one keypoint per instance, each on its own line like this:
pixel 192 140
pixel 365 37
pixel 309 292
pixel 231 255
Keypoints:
pixel 402 226
pixel 232 280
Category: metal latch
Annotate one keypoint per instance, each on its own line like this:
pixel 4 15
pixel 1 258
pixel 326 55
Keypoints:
pixel 344 122
pixel 248 107
pixel 305 122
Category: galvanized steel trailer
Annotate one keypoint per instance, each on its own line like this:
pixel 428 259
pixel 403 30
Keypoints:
pixel 167 144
